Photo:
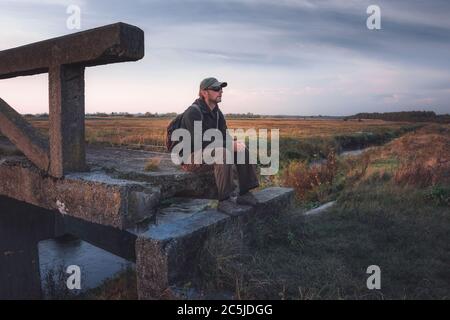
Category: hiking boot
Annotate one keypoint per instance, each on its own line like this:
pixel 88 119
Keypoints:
pixel 247 199
pixel 227 206
pixel 231 208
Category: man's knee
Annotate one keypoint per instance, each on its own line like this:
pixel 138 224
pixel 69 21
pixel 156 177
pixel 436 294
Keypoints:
pixel 222 156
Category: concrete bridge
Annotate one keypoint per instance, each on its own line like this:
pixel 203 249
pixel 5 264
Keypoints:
pixel 103 195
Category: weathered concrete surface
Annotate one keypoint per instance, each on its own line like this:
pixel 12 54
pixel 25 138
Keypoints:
pixel 117 42
pixel 238 210
pixel 66 119
pixel 130 164
pixel 274 200
pixel 92 196
pixel 168 250
pixel 23 226
pixel 113 240
pixel 109 194
pixel 65 59
pixel 163 235
pixel 24 136
pixel 18 249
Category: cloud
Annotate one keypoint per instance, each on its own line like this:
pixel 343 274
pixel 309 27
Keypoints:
pixel 305 56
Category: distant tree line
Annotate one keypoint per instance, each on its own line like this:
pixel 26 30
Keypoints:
pixel 36 116
pixel 174 114
pixel 132 115
pixel 243 115
pixel 411 116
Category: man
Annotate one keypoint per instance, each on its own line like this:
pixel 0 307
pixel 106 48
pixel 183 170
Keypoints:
pixel 206 110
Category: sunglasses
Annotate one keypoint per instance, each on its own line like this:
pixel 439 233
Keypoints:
pixel 216 89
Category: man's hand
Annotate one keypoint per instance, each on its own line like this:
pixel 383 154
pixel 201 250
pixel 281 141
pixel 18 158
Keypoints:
pixel 238 146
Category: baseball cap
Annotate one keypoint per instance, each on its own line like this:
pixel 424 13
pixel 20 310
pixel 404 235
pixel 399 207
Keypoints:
pixel 211 83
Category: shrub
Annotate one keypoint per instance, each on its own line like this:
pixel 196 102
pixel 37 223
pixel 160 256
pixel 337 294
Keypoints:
pixel 311 182
pixel 423 173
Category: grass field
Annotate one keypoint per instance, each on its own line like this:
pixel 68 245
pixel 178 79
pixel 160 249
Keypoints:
pixel 392 210
pixel 152 131
pixel 299 139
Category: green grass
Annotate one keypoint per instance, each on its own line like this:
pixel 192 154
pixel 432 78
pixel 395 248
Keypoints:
pixel 389 164
pixel 326 257
pixel 315 148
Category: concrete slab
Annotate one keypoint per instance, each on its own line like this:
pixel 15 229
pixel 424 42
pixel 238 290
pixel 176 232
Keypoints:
pixel 92 196
pixel 166 233
pixel 130 164
pixel 168 250
pixel 274 200
pixel 25 136
pixel 113 43
pixel 117 191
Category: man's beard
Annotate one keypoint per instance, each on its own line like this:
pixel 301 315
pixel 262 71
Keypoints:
pixel 215 101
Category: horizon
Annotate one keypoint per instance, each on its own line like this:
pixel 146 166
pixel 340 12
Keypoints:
pixel 118 113
pixel 299 57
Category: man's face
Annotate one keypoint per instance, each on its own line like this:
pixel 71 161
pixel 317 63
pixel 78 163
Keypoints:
pixel 213 94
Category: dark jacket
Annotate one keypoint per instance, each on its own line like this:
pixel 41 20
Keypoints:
pixel 209 121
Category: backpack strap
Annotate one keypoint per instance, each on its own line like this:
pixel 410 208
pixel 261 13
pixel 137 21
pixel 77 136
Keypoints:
pixel 196 106
pixel 217 117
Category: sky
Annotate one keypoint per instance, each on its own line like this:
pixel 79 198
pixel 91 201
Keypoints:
pixel 291 57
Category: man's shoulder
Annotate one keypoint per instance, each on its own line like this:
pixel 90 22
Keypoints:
pixel 193 108
pixel 193 112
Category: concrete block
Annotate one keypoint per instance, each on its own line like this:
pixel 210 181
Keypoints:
pixel 274 200
pixel 24 136
pixel 168 250
pixel 117 42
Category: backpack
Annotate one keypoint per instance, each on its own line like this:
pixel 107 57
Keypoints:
pixel 176 124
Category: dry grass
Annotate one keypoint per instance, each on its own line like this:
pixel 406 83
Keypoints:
pixel 383 216
pixel 392 210
pixel 311 183
pixel 423 157
pixel 420 158
pixel 290 256
pixel 152 164
pixel 121 131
